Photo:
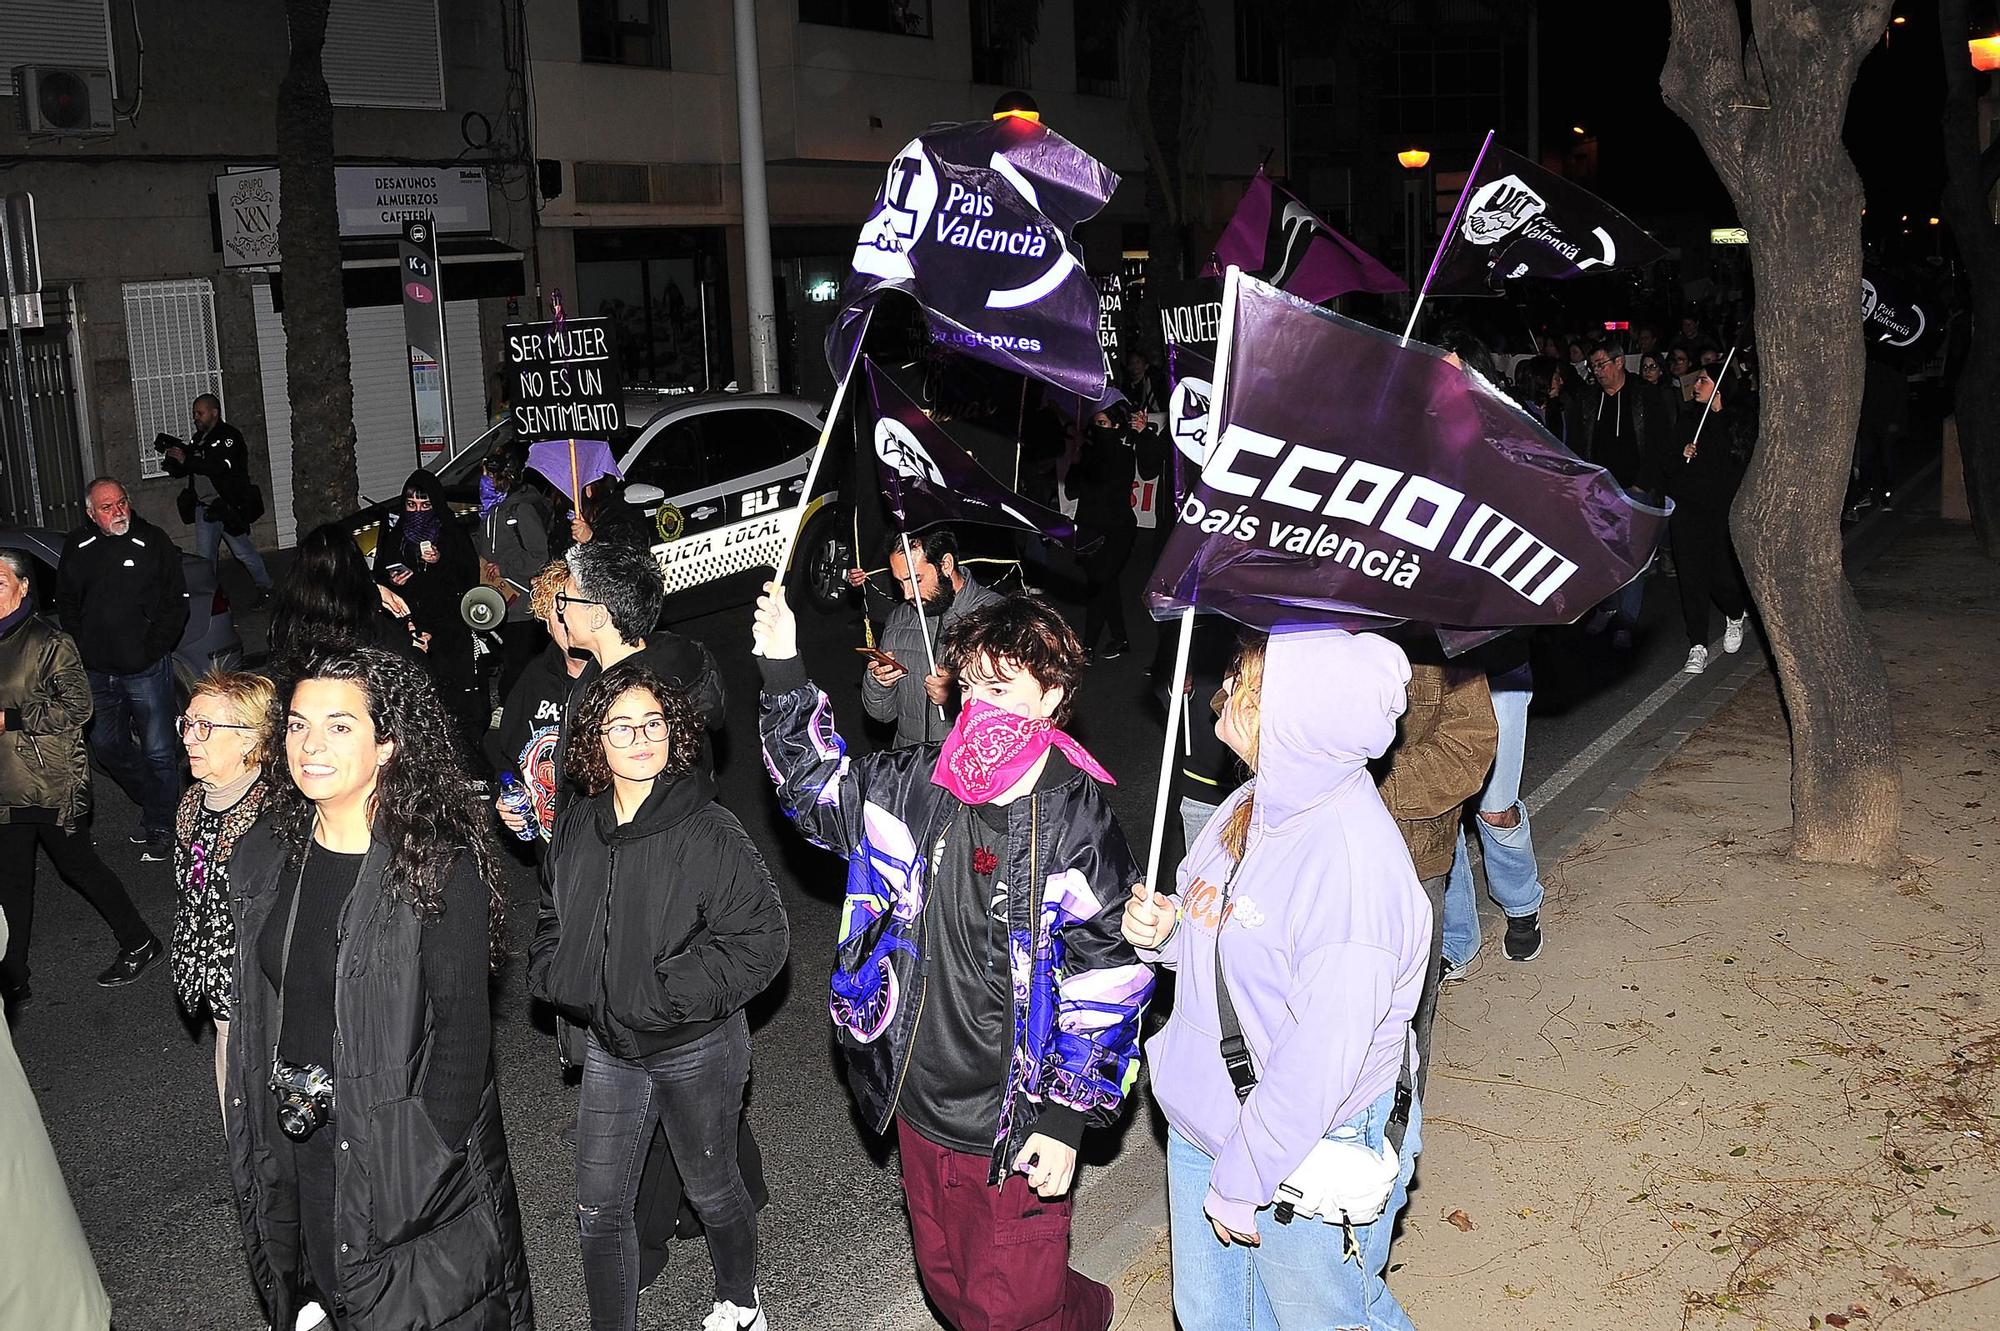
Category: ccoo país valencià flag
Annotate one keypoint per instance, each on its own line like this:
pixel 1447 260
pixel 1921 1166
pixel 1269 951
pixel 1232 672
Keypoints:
pixel 1357 481
pixel 1275 238
pixel 976 222
pixel 928 477
pixel 1517 220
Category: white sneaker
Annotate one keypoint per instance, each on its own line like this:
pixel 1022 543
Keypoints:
pixel 1697 660
pixel 726 1316
pixel 1732 635
pixel 310 1316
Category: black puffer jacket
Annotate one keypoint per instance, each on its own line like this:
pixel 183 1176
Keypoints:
pixel 654 933
pixel 429 1230
pixel 45 699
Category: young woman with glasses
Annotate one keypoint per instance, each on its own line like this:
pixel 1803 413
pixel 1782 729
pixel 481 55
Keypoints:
pixel 223 733
pixel 658 923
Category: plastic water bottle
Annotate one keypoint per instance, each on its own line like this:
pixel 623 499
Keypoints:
pixel 515 798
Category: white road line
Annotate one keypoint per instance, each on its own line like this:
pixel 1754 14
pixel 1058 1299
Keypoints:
pixel 1603 744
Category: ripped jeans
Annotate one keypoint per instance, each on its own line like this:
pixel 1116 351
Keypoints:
pixel 1297 1278
pixel 697 1091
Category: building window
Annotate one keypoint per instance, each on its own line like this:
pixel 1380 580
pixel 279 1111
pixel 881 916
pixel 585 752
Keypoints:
pixel 53 32
pixel 624 32
pixel 907 18
pixel 384 53
pixel 998 54
pixel 1097 28
pixel 170 340
pixel 1444 86
pixel 1258 52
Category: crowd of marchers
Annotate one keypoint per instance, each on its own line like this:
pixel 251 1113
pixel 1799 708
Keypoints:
pixel 340 910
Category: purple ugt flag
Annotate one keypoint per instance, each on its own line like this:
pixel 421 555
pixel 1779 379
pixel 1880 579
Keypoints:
pixel 1355 481
pixel 928 477
pixel 1277 239
pixel 977 223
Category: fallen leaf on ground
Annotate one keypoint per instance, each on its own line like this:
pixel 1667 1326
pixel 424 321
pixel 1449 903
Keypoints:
pixel 1460 1219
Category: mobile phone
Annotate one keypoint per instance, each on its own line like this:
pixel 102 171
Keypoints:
pixel 394 569
pixel 426 549
pixel 880 657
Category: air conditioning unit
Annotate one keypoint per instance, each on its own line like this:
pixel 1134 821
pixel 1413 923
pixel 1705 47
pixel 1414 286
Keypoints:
pixel 70 100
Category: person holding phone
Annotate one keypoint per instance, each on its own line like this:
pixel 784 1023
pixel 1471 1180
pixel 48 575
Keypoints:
pixel 426 556
pixel 899 684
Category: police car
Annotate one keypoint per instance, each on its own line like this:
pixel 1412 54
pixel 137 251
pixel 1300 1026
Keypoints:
pixel 721 476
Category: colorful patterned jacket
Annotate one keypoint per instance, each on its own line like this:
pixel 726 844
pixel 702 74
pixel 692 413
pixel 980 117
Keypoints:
pixel 1079 988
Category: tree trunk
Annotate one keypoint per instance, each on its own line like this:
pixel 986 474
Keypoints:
pixel 1969 177
pixel 316 367
pixel 1768 113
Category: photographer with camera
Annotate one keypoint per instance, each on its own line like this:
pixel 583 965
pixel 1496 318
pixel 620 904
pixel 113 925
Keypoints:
pixel 220 500
pixel 363 1117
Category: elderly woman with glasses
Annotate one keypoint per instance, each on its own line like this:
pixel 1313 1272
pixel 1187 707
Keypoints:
pixel 658 923
pixel 223 733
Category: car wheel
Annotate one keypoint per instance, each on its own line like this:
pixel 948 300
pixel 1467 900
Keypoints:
pixel 819 568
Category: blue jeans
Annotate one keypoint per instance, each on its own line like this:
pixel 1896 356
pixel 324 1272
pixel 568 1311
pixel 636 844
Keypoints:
pixel 132 735
pixel 209 535
pixel 696 1090
pixel 1513 878
pixel 1296 1279
pixel 1194 816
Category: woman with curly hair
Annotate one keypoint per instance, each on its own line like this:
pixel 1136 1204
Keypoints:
pixel 223 731
pixel 658 923
pixel 531 714
pixel 363 1120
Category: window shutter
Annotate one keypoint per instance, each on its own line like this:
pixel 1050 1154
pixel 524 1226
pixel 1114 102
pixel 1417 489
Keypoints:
pixel 170 339
pixel 384 53
pixel 53 32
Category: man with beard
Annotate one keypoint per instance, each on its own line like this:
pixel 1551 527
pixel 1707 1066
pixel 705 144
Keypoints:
pixel 905 691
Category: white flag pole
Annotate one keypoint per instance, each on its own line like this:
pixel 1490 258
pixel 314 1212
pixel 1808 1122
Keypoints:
pixel 1231 278
pixel 1166 790
pixel 923 624
pixel 819 456
pixel 1708 408
pixel 1444 241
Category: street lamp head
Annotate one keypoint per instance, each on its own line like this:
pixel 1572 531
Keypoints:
pixel 1414 159
pixel 1579 131
pixel 1018 105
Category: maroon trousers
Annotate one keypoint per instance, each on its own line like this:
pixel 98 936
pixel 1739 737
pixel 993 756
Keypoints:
pixel 993 1259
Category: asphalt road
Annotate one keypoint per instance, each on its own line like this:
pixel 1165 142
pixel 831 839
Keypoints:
pixel 126 1085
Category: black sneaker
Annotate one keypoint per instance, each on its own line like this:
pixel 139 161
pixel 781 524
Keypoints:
pixel 158 849
pixel 1115 649
pixel 131 963
pixel 1524 937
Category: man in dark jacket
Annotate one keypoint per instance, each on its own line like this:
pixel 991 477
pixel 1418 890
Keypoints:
pixel 513 544
pixel 907 693
pixel 1625 430
pixel 220 492
pixel 122 595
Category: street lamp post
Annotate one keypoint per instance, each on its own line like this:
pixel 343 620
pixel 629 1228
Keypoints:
pixel 1413 161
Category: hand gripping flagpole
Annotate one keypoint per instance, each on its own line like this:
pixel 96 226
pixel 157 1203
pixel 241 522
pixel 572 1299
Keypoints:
pixel 923 623
pixel 1444 241
pixel 818 456
pixel 1708 408
pixel 1178 683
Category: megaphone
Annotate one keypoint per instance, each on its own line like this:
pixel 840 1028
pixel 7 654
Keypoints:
pixel 482 608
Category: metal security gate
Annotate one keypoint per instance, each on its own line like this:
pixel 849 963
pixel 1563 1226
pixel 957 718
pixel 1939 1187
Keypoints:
pixel 54 408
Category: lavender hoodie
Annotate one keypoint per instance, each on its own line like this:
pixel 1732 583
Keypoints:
pixel 1327 936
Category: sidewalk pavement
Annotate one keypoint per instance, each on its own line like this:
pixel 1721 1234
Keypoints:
pixel 1734 1091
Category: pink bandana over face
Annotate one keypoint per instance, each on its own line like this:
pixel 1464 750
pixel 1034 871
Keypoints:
pixel 991 751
